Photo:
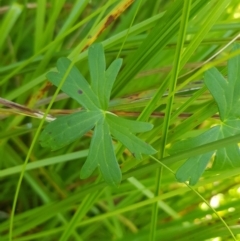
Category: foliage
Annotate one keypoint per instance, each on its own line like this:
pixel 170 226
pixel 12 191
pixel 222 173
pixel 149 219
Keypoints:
pixel 226 93
pixel 169 81
pixel 95 100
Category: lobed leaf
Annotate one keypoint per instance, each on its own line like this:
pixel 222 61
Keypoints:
pixel 94 99
pixel 217 85
pixel 226 92
pixel 228 157
pixel 75 85
pixel 97 66
pixel 224 158
pixel 66 129
pixel 110 77
pixel 101 153
pixel 102 81
pixel 227 95
pixel 193 168
pixel 234 84
pixel 190 143
pixel 135 145
pixel 133 126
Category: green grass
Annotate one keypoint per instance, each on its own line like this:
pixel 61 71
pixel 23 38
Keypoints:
pixel 166 47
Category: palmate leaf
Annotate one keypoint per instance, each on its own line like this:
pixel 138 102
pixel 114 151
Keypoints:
pixel 94 99
pixel 227 95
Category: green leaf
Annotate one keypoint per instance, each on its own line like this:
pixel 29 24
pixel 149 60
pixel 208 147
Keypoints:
pixel 110 77
pixel 102 154
pixel 216 84
pixel 133 126
pixel 66 129
pixel 226 92
pixel 227 95
pixel 94 99
pixel 229 156
pixel 190 143
pixel 97 68
pixel 135 145
pixel 102 82
pixel 193 168
pixel 75 85
pixel 234 84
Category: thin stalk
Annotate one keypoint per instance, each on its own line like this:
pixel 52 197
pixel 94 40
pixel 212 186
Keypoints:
pixel 30 152
pixel 173 82
pixel 135 14
pixel 199 195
